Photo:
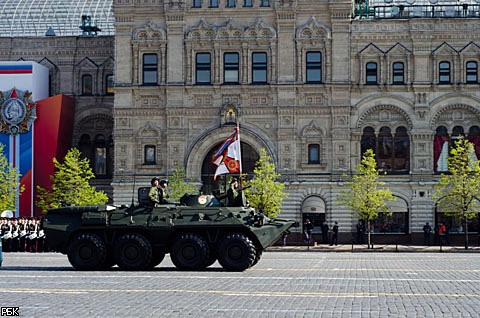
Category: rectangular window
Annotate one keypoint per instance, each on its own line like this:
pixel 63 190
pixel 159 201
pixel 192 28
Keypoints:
pixel 314 67
pixel 259 68
pixel 371 73
pixel 472 72
pixel 197 3
pixel 203 68
pixel 150 69
pixel 444 73
pixel 247 3
pixel 109 85
pixel 87 85
pixel 230 68
pixel 150 155
pixel 265 3
pixel 230 3
pixel 398 73
pixel 213 3
pixel 314 154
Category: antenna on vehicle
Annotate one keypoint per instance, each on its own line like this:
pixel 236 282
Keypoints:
pixel 133 190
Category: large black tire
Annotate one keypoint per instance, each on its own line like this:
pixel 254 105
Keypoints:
pixel 236 252
pixel 86 252
pixel 190 252
pixel 132 252
pixel 157 258
pixel 257 258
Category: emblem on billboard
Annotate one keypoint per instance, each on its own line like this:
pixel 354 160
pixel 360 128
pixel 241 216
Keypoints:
pixel 18 111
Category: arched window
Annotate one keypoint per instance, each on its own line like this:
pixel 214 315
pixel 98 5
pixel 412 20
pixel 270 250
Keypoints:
pixel 369 141
pixel 371 76
pixel 395 223
pixel 398 73
pixel 85 147
pixel 385 149
pixel 401 145
pixel 440 149
pixel 455 224
pixel 474 138
pixel 100 159
pixel 87 85
pixel 109 85
pixel 444 73
pixel 392 151
pixel 313 153
pixel 471 70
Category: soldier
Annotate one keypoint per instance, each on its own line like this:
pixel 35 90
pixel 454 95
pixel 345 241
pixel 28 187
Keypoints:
pixel 162 192
pixel 153 194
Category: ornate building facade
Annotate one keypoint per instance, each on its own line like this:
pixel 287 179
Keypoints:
pixel 315 83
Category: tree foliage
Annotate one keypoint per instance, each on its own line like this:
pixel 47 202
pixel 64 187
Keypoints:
pixel 179 185
pixel 70 184
pixel 458 193
pixel 9 183
pixel 364 194
pixel 265 193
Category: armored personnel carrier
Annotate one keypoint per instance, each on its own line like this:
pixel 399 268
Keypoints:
pixel 196 233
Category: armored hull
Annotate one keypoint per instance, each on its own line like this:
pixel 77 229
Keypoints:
pixel 138 237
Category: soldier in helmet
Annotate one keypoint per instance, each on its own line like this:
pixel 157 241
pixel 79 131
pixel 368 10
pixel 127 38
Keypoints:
pixel 162 192
pixel 153 194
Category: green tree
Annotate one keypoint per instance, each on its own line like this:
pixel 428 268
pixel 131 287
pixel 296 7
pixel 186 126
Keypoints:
pixel 70 184
pixel 179 185
pixel 458 193
pixel 364 195
pixel 9 183
pixel 264 192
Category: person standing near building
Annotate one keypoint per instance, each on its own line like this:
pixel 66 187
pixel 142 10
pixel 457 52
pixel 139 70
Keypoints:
pixel 442 233
pixel 335 234
pixel 307 231
pixel 427 229
pixel 324 229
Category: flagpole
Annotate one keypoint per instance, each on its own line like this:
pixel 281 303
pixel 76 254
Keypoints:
pixel 240 153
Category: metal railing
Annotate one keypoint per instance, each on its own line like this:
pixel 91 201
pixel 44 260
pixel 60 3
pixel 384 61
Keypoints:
pixel 363 11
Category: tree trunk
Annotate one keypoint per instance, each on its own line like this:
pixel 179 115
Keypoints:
pixel 466 233
pixel 369 233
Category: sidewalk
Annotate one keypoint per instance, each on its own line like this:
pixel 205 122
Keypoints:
pixel 357 248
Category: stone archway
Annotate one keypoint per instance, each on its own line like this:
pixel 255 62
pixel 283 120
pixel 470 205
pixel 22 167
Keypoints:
pixel 249 159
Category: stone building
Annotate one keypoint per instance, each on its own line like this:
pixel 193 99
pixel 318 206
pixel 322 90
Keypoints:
pixel 315 83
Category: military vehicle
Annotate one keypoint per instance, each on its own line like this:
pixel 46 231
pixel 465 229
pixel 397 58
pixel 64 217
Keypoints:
pixel 197 232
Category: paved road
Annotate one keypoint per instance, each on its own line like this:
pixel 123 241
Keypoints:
pixel 282 284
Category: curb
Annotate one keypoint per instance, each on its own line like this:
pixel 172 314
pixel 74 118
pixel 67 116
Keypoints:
pixel 379 249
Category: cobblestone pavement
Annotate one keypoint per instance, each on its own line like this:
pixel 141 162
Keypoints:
pixel 282 284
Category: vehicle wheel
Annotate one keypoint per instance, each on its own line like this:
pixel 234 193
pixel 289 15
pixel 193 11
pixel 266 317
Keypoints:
pixel 257 257
pixel 236 252
pixel 87 251
pixel 190 252
pixel 133 252
pixel 157 258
